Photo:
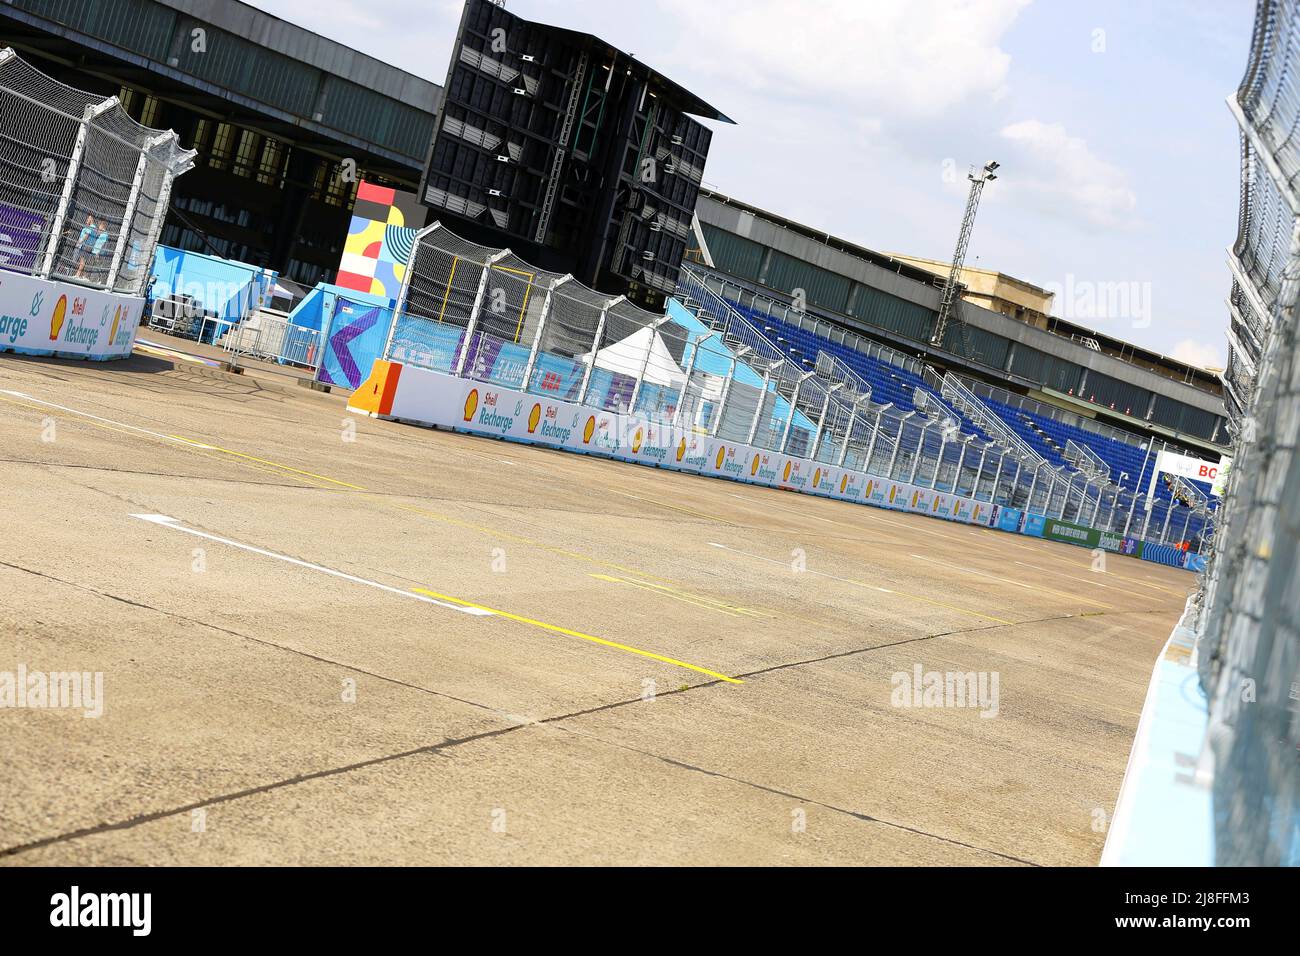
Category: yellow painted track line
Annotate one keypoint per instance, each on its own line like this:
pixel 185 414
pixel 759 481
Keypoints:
pixel 870 587
pixel 695 600
pixel 556 629
pixel 211 452
pixel 642 576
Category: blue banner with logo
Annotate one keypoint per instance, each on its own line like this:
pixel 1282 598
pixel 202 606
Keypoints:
pixel 1034 525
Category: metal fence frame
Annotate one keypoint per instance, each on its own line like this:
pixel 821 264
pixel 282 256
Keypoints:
pixel 1247 611
pixel 85 185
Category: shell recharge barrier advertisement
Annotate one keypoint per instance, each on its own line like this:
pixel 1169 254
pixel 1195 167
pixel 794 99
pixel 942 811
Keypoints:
pixel 40 317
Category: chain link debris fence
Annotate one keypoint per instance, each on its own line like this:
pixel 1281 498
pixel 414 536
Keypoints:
pixel 84 188
pixel 1247 610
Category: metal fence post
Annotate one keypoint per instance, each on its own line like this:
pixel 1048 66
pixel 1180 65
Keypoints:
pixel 690 370
pixel 871 445
pixel 1033 486
pixel 133 199
pixel 474 312
pixel 595 347
pixel 723 399
pixel 758 409
pixel 541 327
pixel 916 459
pixel 997 479
pixel 898 444
pixel 645 365
pixel 1096 509
pixel 821 421
pixel 961 462
pixel 794 406
pixel 400 307
pixel 70 178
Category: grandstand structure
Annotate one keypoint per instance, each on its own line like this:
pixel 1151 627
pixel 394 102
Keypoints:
pixel 716 366
pixel 1113 467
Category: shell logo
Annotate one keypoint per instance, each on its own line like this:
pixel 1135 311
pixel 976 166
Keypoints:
pixel 893 492
pixel 722 456
pixel 786 476
pixel 844 484
pixel 636 441
pixel 956 506
pixel 117 317
pixel 534 417
pixel 871 485
pixel 753 468
pixel 56 319
pixel 471 404
pixel 916 496
pixel 935 507
pixel 681 449
pixel 589 430
pixel 817 477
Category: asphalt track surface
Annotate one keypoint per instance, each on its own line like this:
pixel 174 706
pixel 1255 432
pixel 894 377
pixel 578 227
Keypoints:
pixel 331 640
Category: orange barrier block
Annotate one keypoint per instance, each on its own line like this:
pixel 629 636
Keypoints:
pixel 375 396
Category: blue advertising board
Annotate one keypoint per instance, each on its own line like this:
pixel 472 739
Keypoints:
pixel 1034 525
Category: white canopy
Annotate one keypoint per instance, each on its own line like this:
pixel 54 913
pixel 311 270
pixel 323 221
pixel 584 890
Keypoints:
pixel 628 357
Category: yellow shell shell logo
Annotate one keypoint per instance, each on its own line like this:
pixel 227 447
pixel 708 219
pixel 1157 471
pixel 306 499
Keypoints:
pixel 534 417
pixel 916 496
pixel 56 320
pixel 753 468
pixel 844 483
pixel 786 476
pixel 471 404
pixel 870 486
pixel 956 506
pixel 817 477
pixel 117 317
pixel 589 430
pixel 722 456
pixel 636 441
pixel 681 449
pixel 892 493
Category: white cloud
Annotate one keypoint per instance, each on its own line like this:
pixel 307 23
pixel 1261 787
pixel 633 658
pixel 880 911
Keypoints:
pixel 1062 176
pixel 912 58
pixel 1199 354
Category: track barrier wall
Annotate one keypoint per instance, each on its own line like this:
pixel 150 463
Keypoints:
pixel 420 396
pixel 46 317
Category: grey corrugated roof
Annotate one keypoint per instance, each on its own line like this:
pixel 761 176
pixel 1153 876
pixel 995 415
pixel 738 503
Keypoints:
pixel 313 49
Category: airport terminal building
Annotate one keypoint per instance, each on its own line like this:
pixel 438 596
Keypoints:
pixel 285 122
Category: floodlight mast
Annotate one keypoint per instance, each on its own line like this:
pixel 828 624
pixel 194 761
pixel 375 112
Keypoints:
pixel 946 305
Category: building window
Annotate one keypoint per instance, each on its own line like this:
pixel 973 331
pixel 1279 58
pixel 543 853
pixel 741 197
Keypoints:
pixel 222 144
pixel 202 141
pixel 271 168
pixel 150 112
pixel 130 99
pixel 341 191
pixel 246 156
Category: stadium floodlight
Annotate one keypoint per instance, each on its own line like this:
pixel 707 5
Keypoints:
pixel 948 302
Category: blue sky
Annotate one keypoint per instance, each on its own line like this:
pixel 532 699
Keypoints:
pixel 860 117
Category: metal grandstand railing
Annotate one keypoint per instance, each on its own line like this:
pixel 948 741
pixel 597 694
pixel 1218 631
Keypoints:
pixel 990 421
pixel 1086 460
pixel 84 188
pixel 810 323
pixel 1247 612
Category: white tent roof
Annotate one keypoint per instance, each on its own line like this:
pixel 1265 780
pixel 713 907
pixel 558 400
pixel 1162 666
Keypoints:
pixel 628 357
